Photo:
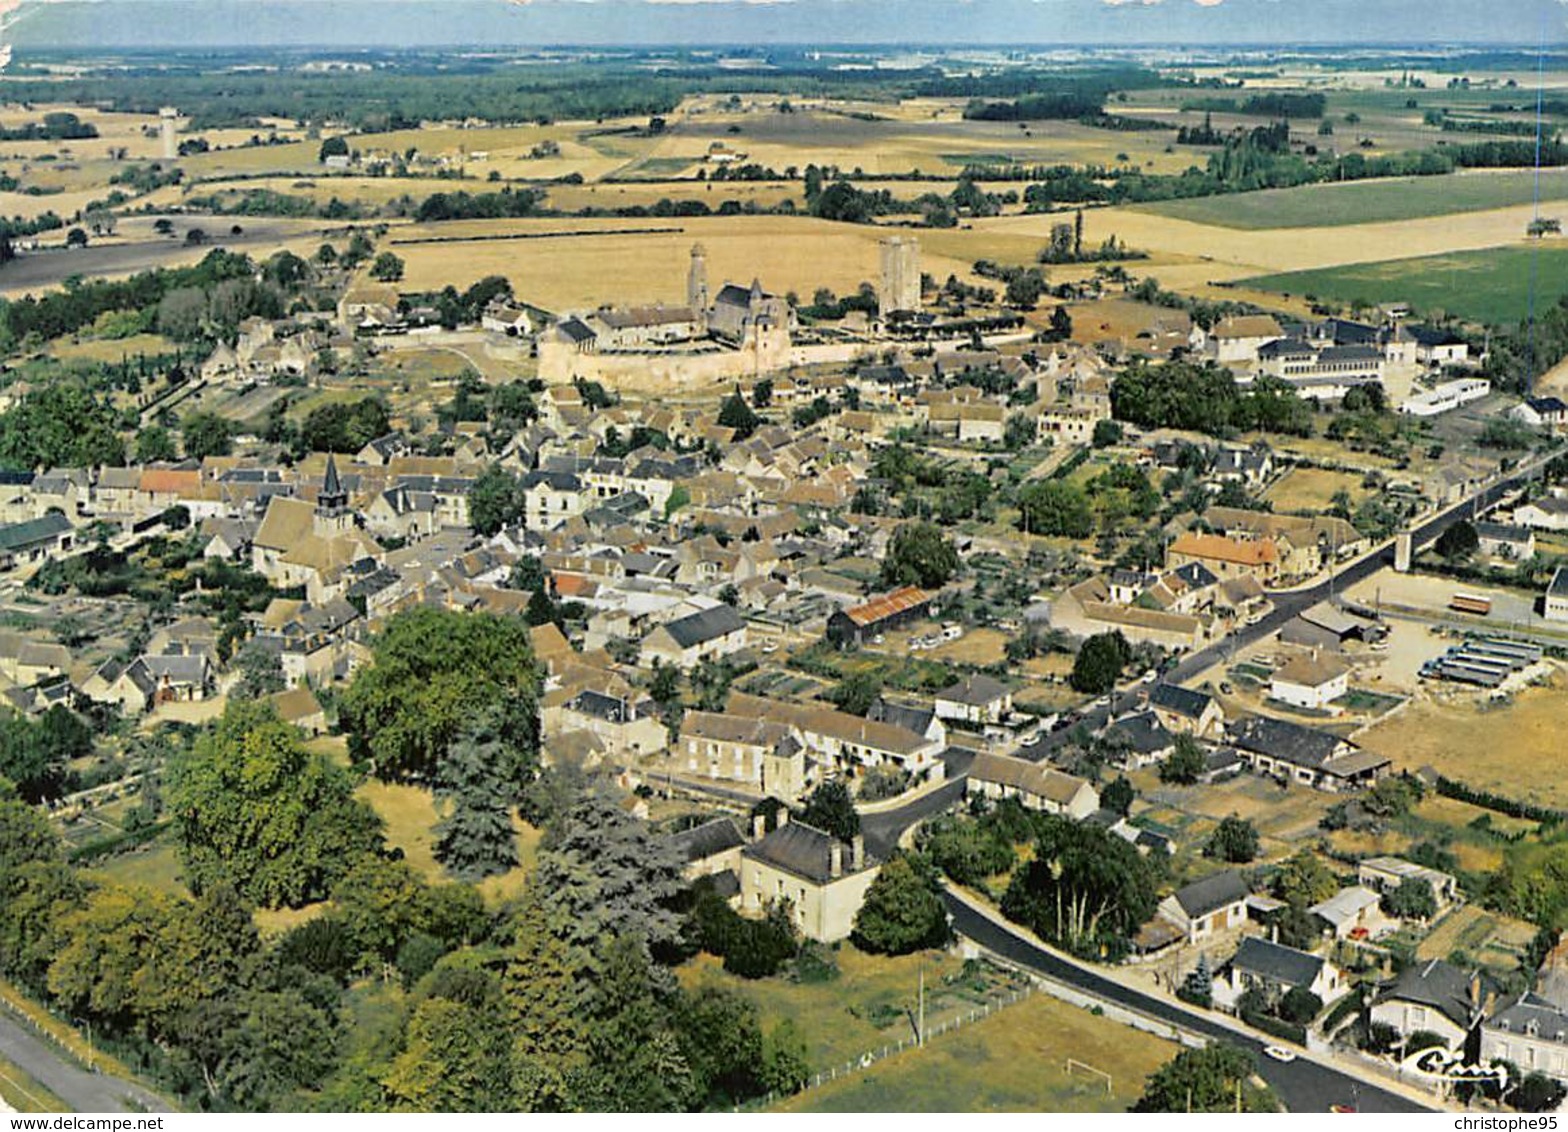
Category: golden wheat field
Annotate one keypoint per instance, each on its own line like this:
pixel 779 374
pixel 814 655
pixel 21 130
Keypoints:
pixel 645 260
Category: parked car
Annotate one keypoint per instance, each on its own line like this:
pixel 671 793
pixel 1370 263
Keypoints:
pixel 1280 1053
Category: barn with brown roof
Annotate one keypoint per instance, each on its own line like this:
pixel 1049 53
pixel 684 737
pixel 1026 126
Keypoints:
pixel 856 625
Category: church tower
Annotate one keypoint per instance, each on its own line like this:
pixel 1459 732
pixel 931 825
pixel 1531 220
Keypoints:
pixel 697 283
pixel 333 517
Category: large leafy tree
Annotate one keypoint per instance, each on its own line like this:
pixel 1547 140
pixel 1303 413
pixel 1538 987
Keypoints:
pixel 1085 889
pixel 1099 663
pixel 1055 509
pixel 206 434
pixel 1234 840
pixel 1304 879
pixel 455 1060
pixel 903 909
pixel 736 414
pixel 1211 1079
pixel 1186 762
pixel 495 500
pixel 475 838
pixel 434 672
pixel 831 809
pixel 603 874
pixel 254 809
pixel 919 555
pixel 34 754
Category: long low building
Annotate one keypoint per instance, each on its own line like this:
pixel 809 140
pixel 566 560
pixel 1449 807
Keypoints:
pixel 1035 786
pixel 1446 397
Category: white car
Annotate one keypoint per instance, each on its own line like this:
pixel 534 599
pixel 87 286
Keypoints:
pixel 1279 1053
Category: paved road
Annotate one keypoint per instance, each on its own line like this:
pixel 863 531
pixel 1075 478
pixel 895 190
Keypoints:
pixel 883 830
pixel 83 1091
pixel 1303 1086
pixel 1289 604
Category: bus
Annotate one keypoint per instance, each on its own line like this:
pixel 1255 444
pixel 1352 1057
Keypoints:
pixel 1470 603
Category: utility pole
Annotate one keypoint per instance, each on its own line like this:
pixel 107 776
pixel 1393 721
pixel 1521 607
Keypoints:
pixel 920 1036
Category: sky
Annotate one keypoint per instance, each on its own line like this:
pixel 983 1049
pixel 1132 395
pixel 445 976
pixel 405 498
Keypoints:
pixel 533 23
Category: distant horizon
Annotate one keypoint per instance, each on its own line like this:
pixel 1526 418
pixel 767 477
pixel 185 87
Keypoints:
pixel 1028 25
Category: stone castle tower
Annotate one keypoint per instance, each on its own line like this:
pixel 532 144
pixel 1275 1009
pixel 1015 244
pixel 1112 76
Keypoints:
pixel 900 290
pixel 168 119
pixel 697 283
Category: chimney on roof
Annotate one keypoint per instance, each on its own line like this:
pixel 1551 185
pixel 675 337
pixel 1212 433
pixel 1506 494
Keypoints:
pixel 857 852
pixel 1475 989
pixel 759 827
pixel 836 859
pixel 783 818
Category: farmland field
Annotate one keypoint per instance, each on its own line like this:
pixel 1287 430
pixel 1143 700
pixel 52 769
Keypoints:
pixel 1492 286
pixel 1014 1061
pixel 599 261
pixel 1367 202
pixel 1512 750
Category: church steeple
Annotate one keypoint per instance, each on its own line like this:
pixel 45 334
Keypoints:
pixel 333 516
pixel 333 499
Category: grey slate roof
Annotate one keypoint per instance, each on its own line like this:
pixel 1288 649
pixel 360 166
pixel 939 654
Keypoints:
pixel 705 625
pixel 1144 733
pixel 1212 893
pixel 910 718
pixel 1281 739
pixel 1438 984
pixel 1532 1016
pixel 19 536
pixel 1277 963
pixel 799 849
pixel 974 691
pixel 1183 701
pixel 707 840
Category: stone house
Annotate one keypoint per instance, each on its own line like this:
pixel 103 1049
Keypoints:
pixel 823 879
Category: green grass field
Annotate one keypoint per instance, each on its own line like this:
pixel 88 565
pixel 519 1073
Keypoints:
pixel 1491 286
pixel 864 1008
pixel 1014 1061
pixel 1367 202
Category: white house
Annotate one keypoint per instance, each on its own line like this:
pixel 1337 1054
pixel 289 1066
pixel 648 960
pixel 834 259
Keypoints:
pixel 1275 969
pixel 1435 997
pixel 1556 608
pixel 1208 906
pixel 1311 680
pixel 975 699
pixel 1549 513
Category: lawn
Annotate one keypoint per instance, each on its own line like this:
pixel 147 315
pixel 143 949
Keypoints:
pixel 1313 489
pixel 1491 286
pixel 410 816
pixel 112 350
pixel 577 263
pixel 1014 1061
pixel 156 865
pixel 863 1009
pixel 1367 202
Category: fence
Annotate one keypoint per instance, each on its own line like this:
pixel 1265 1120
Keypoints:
pixel 47 1033
pixel 871 1057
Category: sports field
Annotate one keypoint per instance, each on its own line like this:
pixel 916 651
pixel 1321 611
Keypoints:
pixel 1494 286
pixel 1368 202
